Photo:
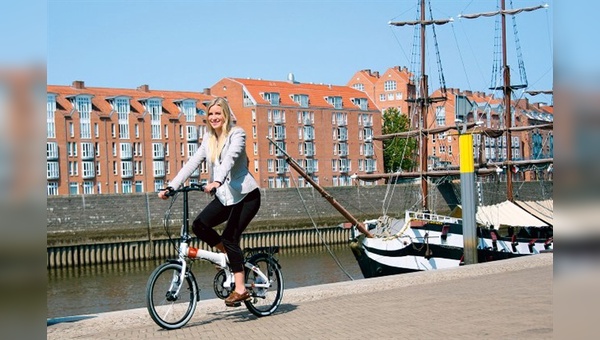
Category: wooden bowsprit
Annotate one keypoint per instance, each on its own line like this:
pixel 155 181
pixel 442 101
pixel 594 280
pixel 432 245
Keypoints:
pixel 292 162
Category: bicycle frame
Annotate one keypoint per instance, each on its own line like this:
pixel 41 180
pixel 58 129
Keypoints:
pixel 185 236
pixel 172 308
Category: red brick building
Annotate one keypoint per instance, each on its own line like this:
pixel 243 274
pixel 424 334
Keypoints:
pixel 111 140
pixel 326 128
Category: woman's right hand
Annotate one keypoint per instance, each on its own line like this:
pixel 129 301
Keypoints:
pixel 163 194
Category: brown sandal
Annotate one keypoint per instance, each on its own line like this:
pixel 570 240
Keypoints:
pixel 234 299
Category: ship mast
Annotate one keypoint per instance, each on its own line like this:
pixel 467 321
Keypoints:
pixel 424 100
pixel 506 88
pixel 507 92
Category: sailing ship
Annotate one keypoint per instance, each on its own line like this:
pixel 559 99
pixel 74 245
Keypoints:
pixel 423 240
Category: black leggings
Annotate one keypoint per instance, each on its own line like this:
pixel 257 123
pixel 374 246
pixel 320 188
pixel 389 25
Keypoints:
pixel 238 216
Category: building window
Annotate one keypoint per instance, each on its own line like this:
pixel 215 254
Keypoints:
pixel 122 107
pixel 139 186
pixel 88 187
pixel 158 168
pixel 189 108
pixel 271 97
pixel 51 150
pixel 126 151
pixel 84 107
pixel 126 187
pixel 89 169
pixel 339 118
pixel 73 170
pixel 270 165
pixel 155 109
pixel 73 188
pixel 440 116
pixel 247 100
pixel 157 151
pixel 52 170
pixel 301 99
pixel 335 101
pixel 389 85
pixel 359 87
pixel 127 169
pixel 50 116
pixel 382 97
pixel 159 185
pixel 191 149
pixel 52 188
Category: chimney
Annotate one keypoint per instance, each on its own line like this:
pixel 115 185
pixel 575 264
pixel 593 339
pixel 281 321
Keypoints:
pixel 143 88
pixel 368 70
pixel 206 91
pixel 376 74
pixel 79 84
pixel 468 92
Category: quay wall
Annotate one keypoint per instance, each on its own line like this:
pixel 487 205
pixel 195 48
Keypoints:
pixel 87 229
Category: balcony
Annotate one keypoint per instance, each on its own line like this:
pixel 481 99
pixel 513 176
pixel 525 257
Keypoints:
pixel 126 151
pixel 87 151
pixel 192 134
pixel 53 170
pixel 51 151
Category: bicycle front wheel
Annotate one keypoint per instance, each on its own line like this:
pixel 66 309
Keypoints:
pixel 171 302
pixel 264 301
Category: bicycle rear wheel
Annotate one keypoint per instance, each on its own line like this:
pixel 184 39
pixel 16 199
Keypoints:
pixel 264 301
pixel 167 307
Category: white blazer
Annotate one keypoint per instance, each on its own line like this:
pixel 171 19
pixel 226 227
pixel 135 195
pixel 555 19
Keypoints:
pixel 231 168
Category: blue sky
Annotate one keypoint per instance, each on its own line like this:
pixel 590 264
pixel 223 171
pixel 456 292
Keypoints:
pixel 190 45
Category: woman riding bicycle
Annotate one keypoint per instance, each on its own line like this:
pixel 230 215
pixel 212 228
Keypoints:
pixel 237 195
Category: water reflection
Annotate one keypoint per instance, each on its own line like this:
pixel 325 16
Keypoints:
pixel 119 286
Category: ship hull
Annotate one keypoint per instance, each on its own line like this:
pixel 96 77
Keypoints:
pixel 431 246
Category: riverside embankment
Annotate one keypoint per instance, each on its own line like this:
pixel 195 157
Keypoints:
pixel 89 229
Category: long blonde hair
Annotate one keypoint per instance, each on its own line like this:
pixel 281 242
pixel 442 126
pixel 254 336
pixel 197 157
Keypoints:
pixel 215 143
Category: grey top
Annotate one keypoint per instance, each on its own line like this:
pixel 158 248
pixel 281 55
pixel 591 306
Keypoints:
pixel 231 168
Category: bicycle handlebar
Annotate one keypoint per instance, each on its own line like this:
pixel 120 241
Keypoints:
pixel 192 187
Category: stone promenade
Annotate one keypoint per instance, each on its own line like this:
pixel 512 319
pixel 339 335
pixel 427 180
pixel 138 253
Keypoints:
pixel 510 299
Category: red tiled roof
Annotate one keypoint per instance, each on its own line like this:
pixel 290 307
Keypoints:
pixel 317 93
pixel 101 95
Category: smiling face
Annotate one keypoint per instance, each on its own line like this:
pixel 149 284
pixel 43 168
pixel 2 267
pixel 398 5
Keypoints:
pixel 216 119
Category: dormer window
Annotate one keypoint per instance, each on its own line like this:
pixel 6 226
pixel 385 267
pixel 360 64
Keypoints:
pixel 362 103
pixel 335 101
pixel 188 108
pixel 83 104
pixel 122 106
pixel 301 99
pixel 153 107
pixel 271 97
pixel 248 101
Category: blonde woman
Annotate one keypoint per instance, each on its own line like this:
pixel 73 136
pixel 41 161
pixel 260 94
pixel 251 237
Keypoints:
pixel 237 197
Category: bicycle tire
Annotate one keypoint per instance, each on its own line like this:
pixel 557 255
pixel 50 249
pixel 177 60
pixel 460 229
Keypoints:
pixel 168 311
pixel 264 301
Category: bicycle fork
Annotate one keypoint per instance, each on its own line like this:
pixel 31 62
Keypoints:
pixel 178 279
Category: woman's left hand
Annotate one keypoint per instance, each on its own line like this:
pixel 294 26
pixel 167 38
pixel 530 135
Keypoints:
pixel 211 187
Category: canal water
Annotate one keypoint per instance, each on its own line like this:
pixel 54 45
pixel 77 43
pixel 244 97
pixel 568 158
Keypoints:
pixel 113 287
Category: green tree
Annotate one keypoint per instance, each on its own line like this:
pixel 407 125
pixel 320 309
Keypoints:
pixel 398 153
